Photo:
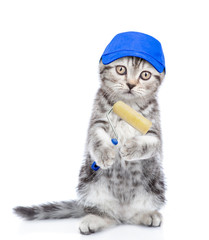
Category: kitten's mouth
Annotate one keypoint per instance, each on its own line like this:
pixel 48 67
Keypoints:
pixel 130 92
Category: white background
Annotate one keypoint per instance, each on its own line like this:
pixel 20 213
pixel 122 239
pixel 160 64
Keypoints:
pixel 49 53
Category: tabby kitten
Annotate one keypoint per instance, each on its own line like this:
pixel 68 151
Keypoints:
pixel 129 186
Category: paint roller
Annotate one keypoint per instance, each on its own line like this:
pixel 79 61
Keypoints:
pixel 131 116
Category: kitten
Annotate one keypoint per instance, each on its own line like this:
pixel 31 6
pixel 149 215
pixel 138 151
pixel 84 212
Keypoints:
pixel 129 186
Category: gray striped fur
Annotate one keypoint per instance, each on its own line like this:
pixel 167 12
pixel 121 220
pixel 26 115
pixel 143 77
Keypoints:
pixel 129 186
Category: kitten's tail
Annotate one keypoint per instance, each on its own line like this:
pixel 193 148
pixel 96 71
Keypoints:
pixel 71 209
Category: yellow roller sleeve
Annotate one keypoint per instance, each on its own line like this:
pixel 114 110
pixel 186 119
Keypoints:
pixel 132 117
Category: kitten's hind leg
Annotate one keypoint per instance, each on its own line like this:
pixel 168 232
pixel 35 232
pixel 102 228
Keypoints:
pixel 93 223
pixel 151 219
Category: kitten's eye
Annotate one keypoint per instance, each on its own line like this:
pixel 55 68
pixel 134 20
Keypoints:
pixel 121 70
pixel 145 75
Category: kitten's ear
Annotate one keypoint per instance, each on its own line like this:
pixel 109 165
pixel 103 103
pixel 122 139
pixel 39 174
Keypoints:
pixel 101 66
pixel 162 75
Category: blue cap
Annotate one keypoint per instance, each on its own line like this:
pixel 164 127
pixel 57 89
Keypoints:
pixel 135 44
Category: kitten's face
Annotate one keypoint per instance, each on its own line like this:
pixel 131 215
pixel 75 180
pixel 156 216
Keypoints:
pixel 130 78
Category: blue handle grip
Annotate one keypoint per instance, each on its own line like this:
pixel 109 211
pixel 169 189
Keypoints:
pixel 114 141
pixel 94 166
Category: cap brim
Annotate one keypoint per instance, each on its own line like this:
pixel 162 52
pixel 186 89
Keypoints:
pixel 108 58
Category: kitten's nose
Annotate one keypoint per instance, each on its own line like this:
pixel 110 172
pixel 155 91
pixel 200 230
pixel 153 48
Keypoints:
pixel 130 85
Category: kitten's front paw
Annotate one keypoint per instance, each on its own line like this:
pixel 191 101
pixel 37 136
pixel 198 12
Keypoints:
pixel 129 150
pixel 106 158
